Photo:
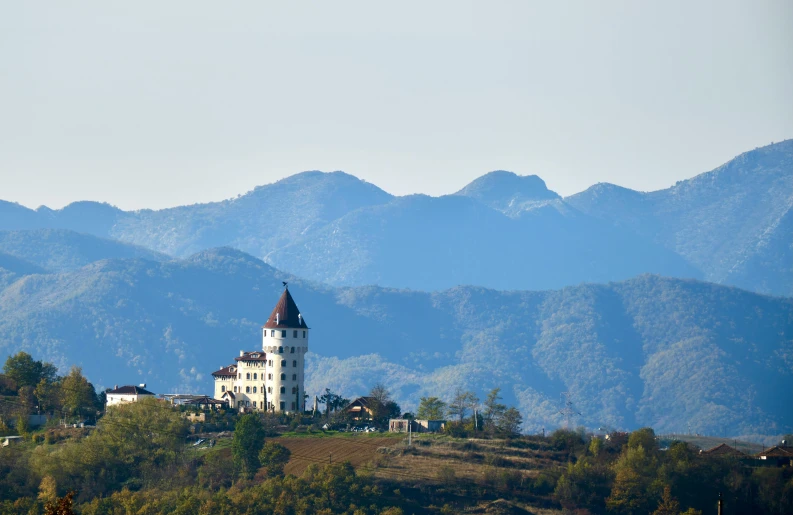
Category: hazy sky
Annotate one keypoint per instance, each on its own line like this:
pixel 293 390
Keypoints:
pixel 154 104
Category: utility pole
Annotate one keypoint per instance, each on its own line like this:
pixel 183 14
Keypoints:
pixel 720 505
pixel 410 433
pixel 567 410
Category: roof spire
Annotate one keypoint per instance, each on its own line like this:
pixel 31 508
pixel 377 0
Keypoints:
pixel 286 285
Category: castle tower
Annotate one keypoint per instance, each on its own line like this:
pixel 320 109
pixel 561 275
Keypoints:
pixel 285 343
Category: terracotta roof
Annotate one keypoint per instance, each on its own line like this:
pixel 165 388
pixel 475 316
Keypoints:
pixel 129 390
pixel 778 451
pixel 286 315
pixel 229 371
pixel 249 356
pixel 724 450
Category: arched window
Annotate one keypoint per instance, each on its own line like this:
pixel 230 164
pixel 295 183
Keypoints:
pixel 223 388
pixel 247 376
pixel 293 349
pixel 254 376
pixel 247 389
pixel 304 334
pixel 272 333
pixel 269 389
pixel 283 377
pixel 294 377
pixel 294 363
pixel 294 389
pixel 294 335
pixel 269 376
pixel 254 389
pixel 239 376
pixel 270 363
pixel 283 362
pixel 254 404
pixel 283 333
pixel 283 390
pixel 280 350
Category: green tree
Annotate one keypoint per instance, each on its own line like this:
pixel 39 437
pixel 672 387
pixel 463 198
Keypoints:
pixel 644 437
pixel 431 408
pixel 274 456
pixel 510 421
pixel 25 371
pixel 494 410
pixel 49 395
pixel 77 394
pixel 248 441
pixel 462 403
pixel 632 492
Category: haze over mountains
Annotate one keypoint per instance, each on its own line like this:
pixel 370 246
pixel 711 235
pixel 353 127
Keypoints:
pixel 146 296
pixel 728 226
pixel 651 350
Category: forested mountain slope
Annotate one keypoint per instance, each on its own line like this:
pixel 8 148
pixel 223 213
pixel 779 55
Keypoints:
pixel 647 351
pixel 734 223
pixel 61 249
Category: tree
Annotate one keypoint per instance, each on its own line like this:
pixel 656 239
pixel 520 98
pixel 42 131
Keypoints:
pixel 510 421
pixel 25 371
pixel 274 456
pixel 61 506
pixel 494 410
pixel 644 437
pixel 247 443
pixel 332 401
pixel 382 407
pixel 77 393
pixel 431 408
pixel 380 393
pixel 49 395
pixel 668 504
pixel 462 402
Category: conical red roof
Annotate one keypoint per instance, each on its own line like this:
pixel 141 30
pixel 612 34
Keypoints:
pixel 286 313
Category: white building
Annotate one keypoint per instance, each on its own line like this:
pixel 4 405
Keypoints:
pixel 126 394
pixel 271 379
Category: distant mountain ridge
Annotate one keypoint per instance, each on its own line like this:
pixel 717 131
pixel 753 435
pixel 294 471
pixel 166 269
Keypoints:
pixel 647 351
pixel 729 226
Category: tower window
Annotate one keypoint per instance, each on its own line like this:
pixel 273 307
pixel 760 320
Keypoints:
pixel 283 405
pixel 270 362
pixel 280 350
pixel 254 376
pixel 254 389
pixel 283 362
pixel 269 376
pixel 294 377
pixel 283 390
pixel 293 406
pixel 272 333
pixel 294 333
pixel 294 363
pixel 247 376
pixel 223 388
pixel 283 377
pixel 269 389
pixel 304 334
pixel 294 390
pixel 247 389
pixel 254 404
pixel 292 350
pixel 283 333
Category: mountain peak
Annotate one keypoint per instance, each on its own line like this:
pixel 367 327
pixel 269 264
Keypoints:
pixel 506 190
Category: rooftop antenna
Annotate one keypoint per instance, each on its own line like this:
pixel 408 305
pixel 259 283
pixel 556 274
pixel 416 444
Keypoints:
pixel 568 411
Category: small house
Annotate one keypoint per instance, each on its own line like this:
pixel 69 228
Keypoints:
pixel 127 394
pixel 779 455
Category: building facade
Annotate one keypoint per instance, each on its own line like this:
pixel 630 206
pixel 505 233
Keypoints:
pixel 271 379
pixel 126 394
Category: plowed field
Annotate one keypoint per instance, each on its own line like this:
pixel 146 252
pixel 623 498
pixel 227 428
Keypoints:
pixel 357 450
